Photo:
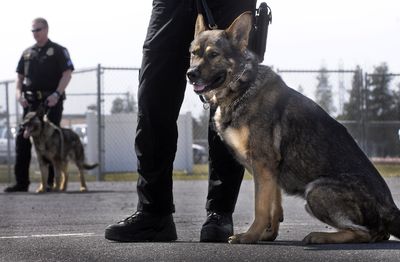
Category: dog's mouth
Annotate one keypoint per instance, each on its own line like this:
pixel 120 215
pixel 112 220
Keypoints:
pixel 201 87
pixel 29 129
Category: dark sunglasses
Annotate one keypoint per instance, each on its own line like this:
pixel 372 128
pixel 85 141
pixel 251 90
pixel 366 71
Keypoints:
pixel 36 30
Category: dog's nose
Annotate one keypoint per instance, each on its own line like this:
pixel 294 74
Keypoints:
pixel 193 74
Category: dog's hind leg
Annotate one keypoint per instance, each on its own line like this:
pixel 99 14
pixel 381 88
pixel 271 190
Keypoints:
pixel 343 236
pixel 343 207
pixel 44 173
pixel 82 178
pixel 57 175
pixel 64 177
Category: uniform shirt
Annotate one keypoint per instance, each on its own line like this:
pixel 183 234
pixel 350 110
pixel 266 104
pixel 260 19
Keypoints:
pixel 43 66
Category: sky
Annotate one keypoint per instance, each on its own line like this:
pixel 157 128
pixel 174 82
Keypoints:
pixel 304 34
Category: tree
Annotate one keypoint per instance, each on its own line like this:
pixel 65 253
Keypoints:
pixel 382 106
pixel 124 105
pixel 381 101
pixel 323 92
pixel 352 109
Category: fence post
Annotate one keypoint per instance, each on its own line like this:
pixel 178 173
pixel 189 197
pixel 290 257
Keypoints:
pixel 365 114
pixel 99 124
pixel 362 102
pixel 8 132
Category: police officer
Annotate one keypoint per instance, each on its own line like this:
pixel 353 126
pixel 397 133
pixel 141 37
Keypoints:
pixel 44 72
pixel 161 90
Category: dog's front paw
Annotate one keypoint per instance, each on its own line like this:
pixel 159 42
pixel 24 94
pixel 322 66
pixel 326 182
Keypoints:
pixel 83 189
pixel 40 189
pixel 269 234
pixel 244 238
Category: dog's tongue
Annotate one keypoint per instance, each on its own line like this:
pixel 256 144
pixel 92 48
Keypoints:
pixel 198 87
pixel 26 133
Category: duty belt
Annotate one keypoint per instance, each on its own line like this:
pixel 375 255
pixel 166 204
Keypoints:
pixel 36 95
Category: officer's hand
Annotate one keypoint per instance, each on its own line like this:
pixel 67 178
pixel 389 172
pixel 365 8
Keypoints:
pixel 23 102
pixel 52 99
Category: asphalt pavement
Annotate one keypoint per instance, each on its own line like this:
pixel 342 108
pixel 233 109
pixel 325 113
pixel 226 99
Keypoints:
pixel 70 227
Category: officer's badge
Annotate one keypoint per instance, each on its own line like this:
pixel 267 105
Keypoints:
pixel 50 51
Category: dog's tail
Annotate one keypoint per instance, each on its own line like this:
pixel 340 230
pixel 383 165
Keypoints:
pixel 394 224
pixel 88 166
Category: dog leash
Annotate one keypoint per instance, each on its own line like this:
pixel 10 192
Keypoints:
pixel 202 5
pixel 59 130
pixel 47 110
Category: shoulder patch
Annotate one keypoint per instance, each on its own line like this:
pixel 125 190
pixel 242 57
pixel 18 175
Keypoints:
pixel 67 57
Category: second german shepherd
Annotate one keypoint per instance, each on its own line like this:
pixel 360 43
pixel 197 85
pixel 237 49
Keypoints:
pixel 57 146
pixel 287 141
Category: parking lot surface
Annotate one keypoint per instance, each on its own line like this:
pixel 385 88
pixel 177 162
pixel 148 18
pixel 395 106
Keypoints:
pixel 70 227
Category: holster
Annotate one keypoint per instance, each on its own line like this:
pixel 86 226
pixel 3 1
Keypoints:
pixel 263 17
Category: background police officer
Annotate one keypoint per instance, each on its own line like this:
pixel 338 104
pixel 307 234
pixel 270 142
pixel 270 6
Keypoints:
pixel 44 72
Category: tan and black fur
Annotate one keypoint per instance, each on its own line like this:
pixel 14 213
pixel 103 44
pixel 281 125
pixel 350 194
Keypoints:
pixel 288 142
pixel 57 146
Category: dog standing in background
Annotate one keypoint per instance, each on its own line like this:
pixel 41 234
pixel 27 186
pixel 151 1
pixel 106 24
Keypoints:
pixel 288 142
pixel 57 146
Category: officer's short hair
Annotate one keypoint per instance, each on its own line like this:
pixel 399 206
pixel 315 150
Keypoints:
pixel 42 21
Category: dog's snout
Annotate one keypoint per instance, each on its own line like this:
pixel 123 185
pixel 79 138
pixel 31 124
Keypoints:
pixel 193 74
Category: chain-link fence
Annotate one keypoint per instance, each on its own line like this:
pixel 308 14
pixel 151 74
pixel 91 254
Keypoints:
pixel 101 107
pixel 368 105
pixel 111 93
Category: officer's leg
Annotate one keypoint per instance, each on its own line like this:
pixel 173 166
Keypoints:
pixel 225 173
pixel 54 115
pixel 22 159
pixel 161 89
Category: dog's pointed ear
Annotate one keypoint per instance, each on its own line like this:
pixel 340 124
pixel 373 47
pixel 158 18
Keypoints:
pixel 200 25
pixel 239 30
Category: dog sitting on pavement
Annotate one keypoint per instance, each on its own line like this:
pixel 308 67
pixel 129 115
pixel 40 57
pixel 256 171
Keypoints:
pixel 288 142
pixel 57 146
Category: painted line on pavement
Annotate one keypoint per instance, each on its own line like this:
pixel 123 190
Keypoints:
pixel 50 235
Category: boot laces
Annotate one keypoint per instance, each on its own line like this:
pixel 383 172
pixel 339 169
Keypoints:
pixel 132 218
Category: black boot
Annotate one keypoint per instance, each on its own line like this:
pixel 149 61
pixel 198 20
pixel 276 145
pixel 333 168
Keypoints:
pixel 143 226
pixel 16 188
pixel 217 228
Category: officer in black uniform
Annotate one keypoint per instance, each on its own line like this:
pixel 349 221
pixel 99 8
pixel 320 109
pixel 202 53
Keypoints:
pixel 161 91
pixel 44 72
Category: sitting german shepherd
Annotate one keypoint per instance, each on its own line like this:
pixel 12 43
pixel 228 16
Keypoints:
pixel 287 141
pixel 57 146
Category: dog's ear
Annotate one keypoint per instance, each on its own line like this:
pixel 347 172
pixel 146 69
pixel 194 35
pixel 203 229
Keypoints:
pixel 239 30
pixel 200 25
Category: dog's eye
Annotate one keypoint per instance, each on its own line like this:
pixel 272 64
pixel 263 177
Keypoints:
pixel 195 52
pixel 213 54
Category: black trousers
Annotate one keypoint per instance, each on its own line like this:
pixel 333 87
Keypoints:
pixel 23 146
pixel 161 90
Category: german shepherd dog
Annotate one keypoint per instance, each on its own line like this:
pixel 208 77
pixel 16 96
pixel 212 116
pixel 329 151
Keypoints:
pixel 288 142
pixel 57 146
